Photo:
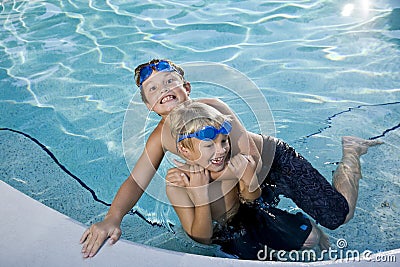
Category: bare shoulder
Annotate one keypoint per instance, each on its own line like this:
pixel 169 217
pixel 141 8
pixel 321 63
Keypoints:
pixel 154 139
pixel 211 101
pixel 157 131
pixel 217 104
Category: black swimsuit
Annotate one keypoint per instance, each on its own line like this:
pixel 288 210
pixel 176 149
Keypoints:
pixel 261 224
pixel 294 177
pixel 258 225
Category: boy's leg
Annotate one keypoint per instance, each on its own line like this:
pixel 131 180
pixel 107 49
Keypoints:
pixel 316 237
pixel 293 176
pixel 348 174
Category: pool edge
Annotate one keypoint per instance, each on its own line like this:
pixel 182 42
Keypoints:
pixel 36 235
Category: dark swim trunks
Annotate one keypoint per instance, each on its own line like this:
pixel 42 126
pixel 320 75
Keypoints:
pixel 261 224
pixel 294 177
pixel 258 225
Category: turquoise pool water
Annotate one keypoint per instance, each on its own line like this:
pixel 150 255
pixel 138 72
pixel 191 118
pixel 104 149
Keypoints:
pixel 327 69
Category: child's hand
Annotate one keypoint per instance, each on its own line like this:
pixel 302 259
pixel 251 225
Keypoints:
pixel 198 176
pixel 245 169
pixel 197 188
pixel 194 178
pixel 240 163
pixel 187 176
pixel 94 237
pixel 176 177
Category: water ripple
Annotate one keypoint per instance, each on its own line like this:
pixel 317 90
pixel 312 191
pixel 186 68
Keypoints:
pixel 69 66
pixel 136 211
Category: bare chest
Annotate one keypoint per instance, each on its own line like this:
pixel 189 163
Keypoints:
pixel 223 198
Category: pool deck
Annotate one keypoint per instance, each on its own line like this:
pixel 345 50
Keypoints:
pixel 36 235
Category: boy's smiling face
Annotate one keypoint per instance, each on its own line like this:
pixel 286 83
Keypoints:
pixel 211 154
pixel 164 91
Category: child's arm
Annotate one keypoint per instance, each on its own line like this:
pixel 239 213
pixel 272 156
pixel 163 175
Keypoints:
pixel 128 194
pixel 241 141
pixel 191 202
pixel 244 168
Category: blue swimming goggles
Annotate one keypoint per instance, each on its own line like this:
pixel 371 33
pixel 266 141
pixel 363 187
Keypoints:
pixel 208 132
pixel 147 70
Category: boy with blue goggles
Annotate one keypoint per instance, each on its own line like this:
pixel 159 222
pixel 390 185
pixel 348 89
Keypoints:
pixel 246 219
pixel 145 70
pixel 208 132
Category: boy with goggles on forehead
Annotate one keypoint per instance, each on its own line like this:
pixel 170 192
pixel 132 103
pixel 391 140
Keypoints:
pixel 239 221
pixel 280 169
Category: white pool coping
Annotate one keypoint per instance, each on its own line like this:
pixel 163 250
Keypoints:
pixel 35 235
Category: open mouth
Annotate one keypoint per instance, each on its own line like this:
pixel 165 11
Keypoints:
pixel 167 98
pixel 218 161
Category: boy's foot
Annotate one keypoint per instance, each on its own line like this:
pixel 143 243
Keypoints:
pixel 359 145
pixel 324 243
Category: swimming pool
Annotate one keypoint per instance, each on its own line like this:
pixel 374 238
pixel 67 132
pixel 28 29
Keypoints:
pixel 327 69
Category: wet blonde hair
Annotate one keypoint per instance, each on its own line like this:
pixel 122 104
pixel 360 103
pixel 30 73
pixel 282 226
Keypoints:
pixel 190 117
